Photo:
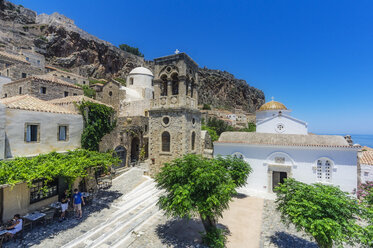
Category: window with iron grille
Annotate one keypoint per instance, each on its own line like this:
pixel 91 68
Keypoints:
pixel 38 193
pixel 324 170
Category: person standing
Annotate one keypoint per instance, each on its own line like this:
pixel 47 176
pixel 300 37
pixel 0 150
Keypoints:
pixel 64 204
pixel 78 201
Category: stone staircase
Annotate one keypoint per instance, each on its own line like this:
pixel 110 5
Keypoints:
pixel 133 210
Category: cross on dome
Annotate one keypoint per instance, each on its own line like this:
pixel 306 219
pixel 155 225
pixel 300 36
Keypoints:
pixel 177 51
pixel 272 98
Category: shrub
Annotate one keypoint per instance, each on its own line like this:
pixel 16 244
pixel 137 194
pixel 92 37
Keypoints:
pixel 129 49
pixel 206 107
pixel 323 211
pixel 216 238
pixel 89 92
pixel 122 81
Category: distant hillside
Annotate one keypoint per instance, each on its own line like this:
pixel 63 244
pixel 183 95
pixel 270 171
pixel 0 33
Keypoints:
pixel 65 45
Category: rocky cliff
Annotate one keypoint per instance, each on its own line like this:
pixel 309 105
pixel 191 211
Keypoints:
pixel 67 46
pixel 222 89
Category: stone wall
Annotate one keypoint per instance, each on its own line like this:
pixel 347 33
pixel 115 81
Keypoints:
pixel 33 87
pixel 126 130
pixel 180 128
pixel 111 95
pixel 19 70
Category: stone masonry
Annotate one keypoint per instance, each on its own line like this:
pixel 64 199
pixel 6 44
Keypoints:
pixel 41 87
pixel 174 112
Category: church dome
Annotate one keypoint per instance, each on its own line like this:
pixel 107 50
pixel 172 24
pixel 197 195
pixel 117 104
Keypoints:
pixel 142 71
pixel 272 105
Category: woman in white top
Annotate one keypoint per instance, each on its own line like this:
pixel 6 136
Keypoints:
pixel 16 227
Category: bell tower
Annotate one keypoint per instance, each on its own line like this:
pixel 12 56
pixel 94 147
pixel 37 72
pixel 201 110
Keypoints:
pixel 174 119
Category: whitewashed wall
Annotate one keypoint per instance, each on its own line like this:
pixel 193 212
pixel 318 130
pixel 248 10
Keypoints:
pixel 15 131
pixel 291 125
pixel 366 173
pixel 302 161
pixel 139 80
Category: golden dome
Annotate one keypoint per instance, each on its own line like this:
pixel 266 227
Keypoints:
pixel 272 105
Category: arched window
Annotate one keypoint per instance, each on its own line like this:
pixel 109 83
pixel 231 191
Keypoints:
pixel 164 85
pixel 175 84
pixel 192 88
pixel 237 155
pixel 166 141
pixel 193 141
pixel 324 170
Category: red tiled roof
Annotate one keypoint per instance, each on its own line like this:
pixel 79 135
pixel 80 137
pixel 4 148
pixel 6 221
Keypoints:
pixel 367 158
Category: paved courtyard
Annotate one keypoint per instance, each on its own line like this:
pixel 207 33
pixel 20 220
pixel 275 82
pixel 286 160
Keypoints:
pixel 126 215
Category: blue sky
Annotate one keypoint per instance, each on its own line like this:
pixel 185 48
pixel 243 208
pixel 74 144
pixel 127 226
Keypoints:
pixel 315 56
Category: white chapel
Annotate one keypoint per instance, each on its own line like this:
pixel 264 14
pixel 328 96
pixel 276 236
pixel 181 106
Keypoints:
pixel 281 147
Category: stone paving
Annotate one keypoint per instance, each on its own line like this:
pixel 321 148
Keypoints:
pixel 57 233
pixel 276 234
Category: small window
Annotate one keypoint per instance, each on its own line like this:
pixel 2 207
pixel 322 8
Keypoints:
pixel 166 139
pixel 38 62
pixel 41 190
pixel 63 133
pixel 68 76
pixel 146 128
pixel 131 81
pixel 193 141
pixel 24 75
pixel 194 121
pixel 32 133
pixel 366 173
pixel 66 94
pixel 166 120
pixel 83 82
pixel 110 93
pixel 43 90
pixel 74 94
pixel 5 95
pixel 20 90
pixel 27 59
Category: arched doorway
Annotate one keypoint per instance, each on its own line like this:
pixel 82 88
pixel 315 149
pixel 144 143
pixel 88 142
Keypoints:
pixel 121 153
pixel 135 149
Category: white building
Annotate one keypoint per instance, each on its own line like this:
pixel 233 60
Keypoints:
pixel 282 148
pixel 30 126
pixel 139 92
pixel 366 166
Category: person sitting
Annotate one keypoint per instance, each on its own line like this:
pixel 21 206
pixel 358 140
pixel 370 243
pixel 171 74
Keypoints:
pixel 15 227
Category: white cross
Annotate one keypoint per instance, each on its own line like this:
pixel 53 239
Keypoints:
pixel 272 98
pixel 177 51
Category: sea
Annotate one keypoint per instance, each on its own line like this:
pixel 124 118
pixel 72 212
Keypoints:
pixel 361 139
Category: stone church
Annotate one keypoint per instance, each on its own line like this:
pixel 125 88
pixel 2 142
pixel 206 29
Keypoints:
pixel 158 118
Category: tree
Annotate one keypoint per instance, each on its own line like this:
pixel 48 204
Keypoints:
pixel 212 132
pixel 323 211
pixel 206 107
pixel 129 49
pixel 199 186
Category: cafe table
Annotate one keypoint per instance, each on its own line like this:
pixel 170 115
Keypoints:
pixel 33 217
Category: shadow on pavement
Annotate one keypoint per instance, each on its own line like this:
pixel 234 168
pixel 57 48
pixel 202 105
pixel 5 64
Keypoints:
pixel 285 240
pixel 182 232
pixel 102 200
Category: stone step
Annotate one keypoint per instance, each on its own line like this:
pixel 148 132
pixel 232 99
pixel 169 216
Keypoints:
pixel 134 204
pixel 117 221
pixel 132 236
pixel 123 229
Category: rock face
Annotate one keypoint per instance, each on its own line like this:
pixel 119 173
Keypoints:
pixel 65 45
pixel 222 89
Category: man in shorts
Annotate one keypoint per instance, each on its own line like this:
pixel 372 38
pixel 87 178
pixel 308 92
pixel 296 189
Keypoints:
pixel 78 201
pixel 64 204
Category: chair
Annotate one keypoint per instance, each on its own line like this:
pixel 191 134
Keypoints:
pixel 48 218
pixel 26 224
pixel 19 235
pixel 1 241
